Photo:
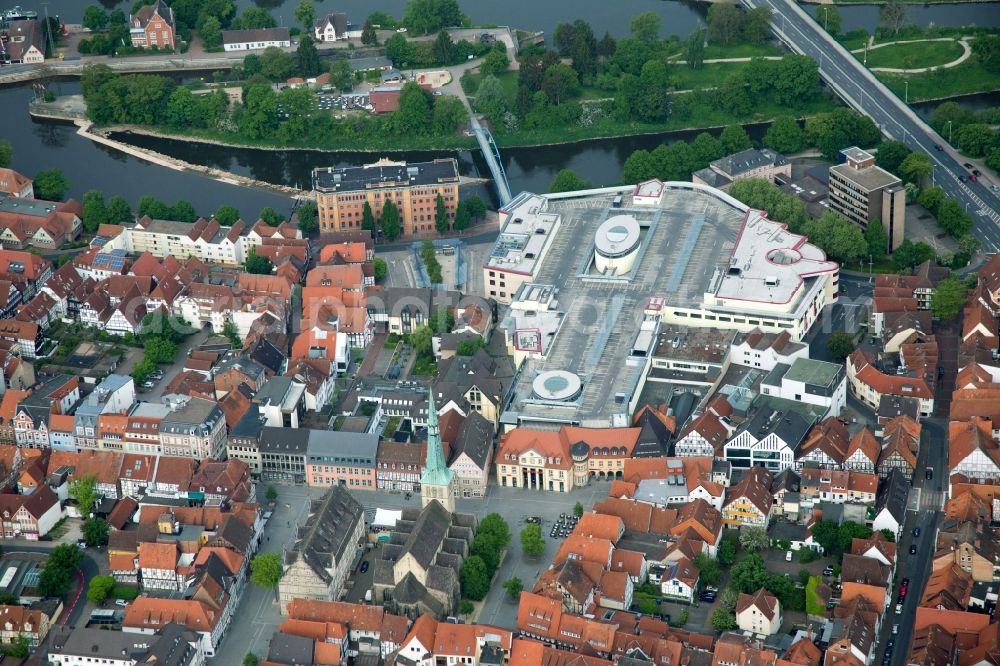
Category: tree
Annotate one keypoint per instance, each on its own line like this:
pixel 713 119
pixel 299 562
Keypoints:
pixel 99 589
pixel 474 578
pixel 254 18
pixel 725 22
pixel 183 211
pixel 414 113
pixel 51 185
pixel 829 17
pixel 443 48
pixel 227 215
pixel 211 31
pixel 427 16
pixel 848 532
pixel 84 491
pixel 94 211
pixel 491 98
pixel 341 75
pixel 734 138
pixel 606 47
pixel 256 264
pixel 232 331
pixel 389 220
pixel 825 533
pixel 368 36
pixel 398 50
pixel 307 57
pixel 532 543
pixel 931 199
pixel 275 64
pixel 757 25
pixel 723 620
pixel 711 572
pixel 645 27
pixel 877 239
pixel 916 167
pixel 250 659
pixel 367 217
pixel 251 65
pixel 6 153
pixel 513 586
pixel 271 493
pixel 95 531
pixel 381 268
pixel 754 539
pixel 271 217
pixel 477 207
pixel 891 15
pixel 578 510
pixel 306 214
pixel 305 13
pixel 976 139
pixel 63 561
pixel 784 135
pixel 95 18
pixel 986 48
pixel 118 210
pixel 840 344
pixel 695 54
pixel 727 548
pixel 952 218
pixel 440 215
pixel 566 180
pixel 265 571
pixel 948 299
pixel 891 154
pixel 496 61
pixel 560 82
pixel 889 535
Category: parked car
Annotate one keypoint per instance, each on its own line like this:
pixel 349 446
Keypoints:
pixel 899 609
pixel 889 644
pixel 967 165
pixel 973 178
pixel 828 571
pixel 788 556
pixel 913 549
pixel 975 172
pixel 364 566
pixel 895 629
pixel 81 544
pixel 121 602
pixel 963 178
pixel 929 473
pixel 707 597
pixel 937 147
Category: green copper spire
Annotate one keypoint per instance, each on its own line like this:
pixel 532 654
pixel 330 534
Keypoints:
pixel 436 472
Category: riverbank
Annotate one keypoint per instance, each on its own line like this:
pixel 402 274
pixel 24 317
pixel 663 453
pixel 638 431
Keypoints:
pixel 86 130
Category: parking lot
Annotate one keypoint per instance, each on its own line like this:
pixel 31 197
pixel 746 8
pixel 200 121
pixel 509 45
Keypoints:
pixel 357 102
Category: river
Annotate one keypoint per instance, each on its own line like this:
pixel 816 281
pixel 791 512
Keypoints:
pixel 42 145
pixel 678 17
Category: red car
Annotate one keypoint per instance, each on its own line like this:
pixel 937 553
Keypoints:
pixel 973 177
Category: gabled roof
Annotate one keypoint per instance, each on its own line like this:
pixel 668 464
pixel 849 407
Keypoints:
pixel 765 602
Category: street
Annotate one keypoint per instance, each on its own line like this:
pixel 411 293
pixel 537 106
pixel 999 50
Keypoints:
pixel 865 93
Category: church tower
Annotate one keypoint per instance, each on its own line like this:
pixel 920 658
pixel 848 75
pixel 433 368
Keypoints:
pixel 436 481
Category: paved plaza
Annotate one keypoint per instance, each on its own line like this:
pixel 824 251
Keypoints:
pixel 258 612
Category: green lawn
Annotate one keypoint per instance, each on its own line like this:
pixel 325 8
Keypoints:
pixel 914 55
pixel 813 605
pixel 709 76
pixel 969 77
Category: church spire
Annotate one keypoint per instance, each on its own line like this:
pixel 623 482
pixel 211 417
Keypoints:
pixel 435 454
pixel 436 479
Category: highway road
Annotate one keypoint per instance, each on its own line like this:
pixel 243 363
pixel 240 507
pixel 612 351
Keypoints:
pixel 854 83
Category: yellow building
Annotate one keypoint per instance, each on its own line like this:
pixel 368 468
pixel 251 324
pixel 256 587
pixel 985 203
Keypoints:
pixel 341 194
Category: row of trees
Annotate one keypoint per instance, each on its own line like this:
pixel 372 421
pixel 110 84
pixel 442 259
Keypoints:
pixel 441 52
pixel 727 24
pixel 492 538
pixel 972 131
pixel 678 160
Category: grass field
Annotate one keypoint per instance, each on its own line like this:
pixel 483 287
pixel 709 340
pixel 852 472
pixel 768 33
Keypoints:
pixel 969 77
pixel 914 55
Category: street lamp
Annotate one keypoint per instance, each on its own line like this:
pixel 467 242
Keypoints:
pixel 907 92
pixel 949 131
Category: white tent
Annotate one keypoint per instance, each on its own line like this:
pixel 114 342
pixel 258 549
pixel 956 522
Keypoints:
pixel 386 518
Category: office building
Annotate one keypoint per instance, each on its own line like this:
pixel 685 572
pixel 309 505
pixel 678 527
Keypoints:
pixel 862 192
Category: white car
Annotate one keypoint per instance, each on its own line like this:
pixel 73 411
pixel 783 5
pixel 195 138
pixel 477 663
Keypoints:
pixel 121 602
pixel 788 556
pixel 400 29
pixel 899 609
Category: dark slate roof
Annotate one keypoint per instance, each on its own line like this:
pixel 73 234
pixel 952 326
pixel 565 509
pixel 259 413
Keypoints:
pixel 251 425
pixel 283 440
pixel 410 591
pixel 266 354
pixel 326 535
pixel 475 439
pixel 174 647
pixel 361 178
pixel 892 495
pixel 430 529
pixel 235 532
pixel 790 427
pixel 289 649
pixel 653 438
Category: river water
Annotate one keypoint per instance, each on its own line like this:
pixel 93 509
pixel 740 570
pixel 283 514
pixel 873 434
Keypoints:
pixel 679 17
pixel 42 145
